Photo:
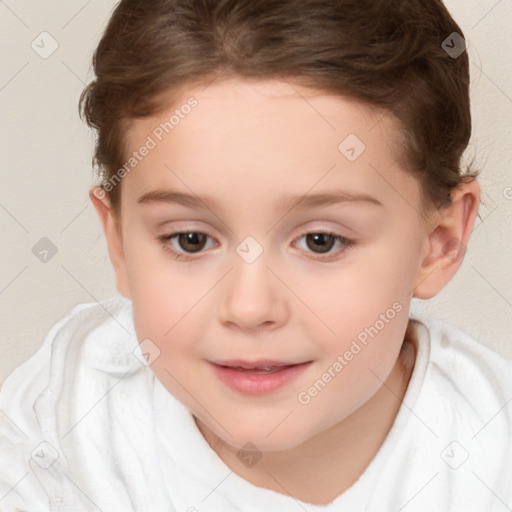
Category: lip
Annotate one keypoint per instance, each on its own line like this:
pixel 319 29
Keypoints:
pixel 245 376
pixel 260 363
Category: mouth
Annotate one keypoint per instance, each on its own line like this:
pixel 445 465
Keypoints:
pixel 257 377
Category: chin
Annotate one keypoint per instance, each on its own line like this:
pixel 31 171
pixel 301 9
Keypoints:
pixel 257 437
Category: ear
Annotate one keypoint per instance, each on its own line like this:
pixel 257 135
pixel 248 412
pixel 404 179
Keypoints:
pixel 112 230
pixel 446 245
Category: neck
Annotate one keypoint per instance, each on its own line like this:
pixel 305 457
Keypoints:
pixel 326 465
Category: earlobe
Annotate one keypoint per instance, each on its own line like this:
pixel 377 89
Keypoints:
pixel 113 235
pixel 448 239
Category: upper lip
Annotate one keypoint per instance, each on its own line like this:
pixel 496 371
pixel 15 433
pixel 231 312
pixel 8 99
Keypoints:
pixel 249 365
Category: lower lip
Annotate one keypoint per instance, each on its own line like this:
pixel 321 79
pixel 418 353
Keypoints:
pixel 258 383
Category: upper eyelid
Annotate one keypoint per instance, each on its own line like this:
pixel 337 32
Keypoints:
pixel 337 226
pixel 304 232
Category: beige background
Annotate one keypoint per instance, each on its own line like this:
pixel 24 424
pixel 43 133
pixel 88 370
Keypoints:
pixel 46 173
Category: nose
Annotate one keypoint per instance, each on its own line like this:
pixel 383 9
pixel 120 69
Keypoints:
pixel 253 298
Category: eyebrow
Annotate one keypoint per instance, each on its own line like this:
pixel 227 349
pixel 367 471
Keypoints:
pixel 288 202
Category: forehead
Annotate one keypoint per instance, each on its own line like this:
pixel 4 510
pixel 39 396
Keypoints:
pixel 266 106
pixel 271 135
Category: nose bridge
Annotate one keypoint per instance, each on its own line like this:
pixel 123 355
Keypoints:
pixel 252 296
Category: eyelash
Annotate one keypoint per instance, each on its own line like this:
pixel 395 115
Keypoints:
pixel 347 244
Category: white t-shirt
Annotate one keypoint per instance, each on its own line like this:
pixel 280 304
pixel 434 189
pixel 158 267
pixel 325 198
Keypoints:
pixel 85 426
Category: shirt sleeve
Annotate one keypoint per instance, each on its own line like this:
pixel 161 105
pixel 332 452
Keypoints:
pixel 21 441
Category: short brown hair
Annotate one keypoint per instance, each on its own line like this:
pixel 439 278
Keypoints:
pixel 386 53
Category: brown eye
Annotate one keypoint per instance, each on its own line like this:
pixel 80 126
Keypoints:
pixel 324 246
pixel 320 242
pixel 192 242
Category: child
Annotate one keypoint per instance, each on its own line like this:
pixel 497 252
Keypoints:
pixel 311 150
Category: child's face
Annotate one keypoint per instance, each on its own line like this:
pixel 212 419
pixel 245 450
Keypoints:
pixel 304 299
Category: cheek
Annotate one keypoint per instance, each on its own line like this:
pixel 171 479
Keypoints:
pixel 162 292
pixel 365 304
pixel 164 320
pixel 371 287
pixel 355 367
pixel 168 317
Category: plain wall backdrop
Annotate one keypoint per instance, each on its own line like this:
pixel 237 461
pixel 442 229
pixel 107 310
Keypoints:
pixel 46 174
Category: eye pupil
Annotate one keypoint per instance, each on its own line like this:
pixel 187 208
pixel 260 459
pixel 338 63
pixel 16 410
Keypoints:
pixel 319 238
pixel 189 241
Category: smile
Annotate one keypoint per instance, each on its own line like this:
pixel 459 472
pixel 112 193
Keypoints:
pixel 257 378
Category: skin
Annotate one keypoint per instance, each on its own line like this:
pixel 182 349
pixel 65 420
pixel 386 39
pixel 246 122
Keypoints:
pixel 246 145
